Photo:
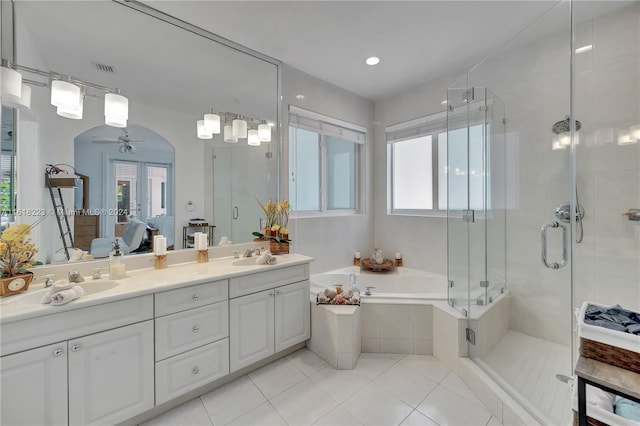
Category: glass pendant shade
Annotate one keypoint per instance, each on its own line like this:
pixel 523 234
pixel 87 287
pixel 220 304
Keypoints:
pixel 22 102
pixel 212 123
pixel 65 94
pixel 116 110
pixel 73 113
pixel 253 139
pixel 202 133
pixel 11 82
pixel 228 134
pixel 264 132
pixel 239 128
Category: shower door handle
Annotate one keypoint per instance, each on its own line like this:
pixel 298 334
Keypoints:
pixel 543 232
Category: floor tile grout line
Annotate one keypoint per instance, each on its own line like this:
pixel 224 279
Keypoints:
pixel 276 410
pixel 206 411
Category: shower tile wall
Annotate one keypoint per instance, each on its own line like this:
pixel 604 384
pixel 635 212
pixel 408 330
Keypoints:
pixel 608 105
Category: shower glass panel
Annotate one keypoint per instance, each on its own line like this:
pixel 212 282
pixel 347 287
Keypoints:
pixel 523 335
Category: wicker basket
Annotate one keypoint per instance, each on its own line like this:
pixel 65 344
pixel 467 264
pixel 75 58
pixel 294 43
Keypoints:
pixel 590 420
pixel 278 248
pixel 608 354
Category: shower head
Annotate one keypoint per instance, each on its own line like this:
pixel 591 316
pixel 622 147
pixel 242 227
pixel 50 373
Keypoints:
pixel 563 126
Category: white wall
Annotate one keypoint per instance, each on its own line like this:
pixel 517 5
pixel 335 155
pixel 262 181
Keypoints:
pixel 421 240
pixel 330 240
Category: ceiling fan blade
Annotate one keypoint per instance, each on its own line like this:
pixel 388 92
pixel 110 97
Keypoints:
pixel 106 141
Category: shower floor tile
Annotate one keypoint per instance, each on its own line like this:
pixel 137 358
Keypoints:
pixel 529 365
pixel 371 395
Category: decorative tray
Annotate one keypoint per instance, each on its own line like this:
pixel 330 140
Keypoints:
pixel 331 296
pixel 386 265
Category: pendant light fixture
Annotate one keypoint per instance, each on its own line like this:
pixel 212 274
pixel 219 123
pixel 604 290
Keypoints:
pixel 73 113
pixel 202 133
pixel 228 134
pixel 21 102
pixel 116 109
pixel 11 81
pixel 65 94
pixel 264 132
pixel 212 123
pixel 239 128
pixel 253 139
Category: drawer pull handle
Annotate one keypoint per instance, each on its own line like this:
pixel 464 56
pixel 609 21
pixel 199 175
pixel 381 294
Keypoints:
pixel 58 352
pixel 195 297
pixel 195 370
pixel 195 329
pixel 278 292
pixel 75 348
pixel 271 294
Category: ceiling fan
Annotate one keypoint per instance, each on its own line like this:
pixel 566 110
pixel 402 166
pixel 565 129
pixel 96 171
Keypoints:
pixel 126 143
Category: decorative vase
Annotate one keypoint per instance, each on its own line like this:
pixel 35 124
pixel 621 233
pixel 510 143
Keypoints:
pixel 15 284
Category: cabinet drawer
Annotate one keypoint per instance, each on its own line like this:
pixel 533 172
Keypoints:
pixel 186 330
pixel 253 283
pixel 193 296
pixel 38 331
pixel 183 373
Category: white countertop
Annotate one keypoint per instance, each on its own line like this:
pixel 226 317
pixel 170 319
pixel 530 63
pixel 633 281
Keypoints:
pixel 142 282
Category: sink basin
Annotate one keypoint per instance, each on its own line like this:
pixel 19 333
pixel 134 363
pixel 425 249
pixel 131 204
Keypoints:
pixel 35 296
pixel 247 261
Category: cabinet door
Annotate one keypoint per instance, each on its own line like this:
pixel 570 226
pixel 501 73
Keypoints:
pixel 292 318
pixel 251 329
pixel 111 375
pixel 34 387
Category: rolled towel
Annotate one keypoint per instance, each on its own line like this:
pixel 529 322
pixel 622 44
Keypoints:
pixel 271 260
pixel 65 296
pixel 262 259
pixel 57 286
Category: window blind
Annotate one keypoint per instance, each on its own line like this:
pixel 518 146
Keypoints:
pixel 325 125
pixel 417 127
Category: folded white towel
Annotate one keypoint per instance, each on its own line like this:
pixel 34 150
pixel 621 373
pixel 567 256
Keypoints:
pixel 57 286
pixel 65 296
pixel 262 259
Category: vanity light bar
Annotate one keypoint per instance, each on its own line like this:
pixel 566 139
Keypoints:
pixel 234 126
pixel 67 94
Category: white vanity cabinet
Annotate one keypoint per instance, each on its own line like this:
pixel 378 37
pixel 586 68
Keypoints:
pixel 34 387
pixel 192 345
pixel 111 375
pixel 104 377
pixel 269 320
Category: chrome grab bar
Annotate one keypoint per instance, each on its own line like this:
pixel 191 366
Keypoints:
pixel 543 232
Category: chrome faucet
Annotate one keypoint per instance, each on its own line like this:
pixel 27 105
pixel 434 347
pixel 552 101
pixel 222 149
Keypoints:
pixel 48 279
pixel 97 273
pixel 75 277
pixel 253 250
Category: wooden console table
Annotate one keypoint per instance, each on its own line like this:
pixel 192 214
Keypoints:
pixel 606 377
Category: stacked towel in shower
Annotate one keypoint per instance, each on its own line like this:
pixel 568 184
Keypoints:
pixel 62 292
pixel 266 258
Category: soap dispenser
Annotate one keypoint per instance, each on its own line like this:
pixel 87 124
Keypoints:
pixel 116 267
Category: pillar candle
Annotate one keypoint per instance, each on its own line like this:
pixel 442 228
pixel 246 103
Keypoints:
pixel 160 245
pixel 196 240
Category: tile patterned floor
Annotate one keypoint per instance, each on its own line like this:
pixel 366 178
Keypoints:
pixel 302 389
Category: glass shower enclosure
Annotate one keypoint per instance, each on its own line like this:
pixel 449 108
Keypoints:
pixel 546 126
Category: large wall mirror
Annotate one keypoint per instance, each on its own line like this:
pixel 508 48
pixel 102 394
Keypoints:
pixel 156 166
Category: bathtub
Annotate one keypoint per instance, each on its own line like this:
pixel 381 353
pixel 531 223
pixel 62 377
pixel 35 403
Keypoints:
pixel 401 284
pixel 396 318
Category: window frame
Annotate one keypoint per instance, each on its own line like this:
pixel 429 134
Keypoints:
pixel 359 160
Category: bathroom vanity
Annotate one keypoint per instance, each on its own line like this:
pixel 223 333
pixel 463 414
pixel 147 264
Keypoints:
pixel 136 343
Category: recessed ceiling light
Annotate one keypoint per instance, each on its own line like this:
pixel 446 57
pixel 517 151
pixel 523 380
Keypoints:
pixel 372 60
pixel 584 49
pixel 300 97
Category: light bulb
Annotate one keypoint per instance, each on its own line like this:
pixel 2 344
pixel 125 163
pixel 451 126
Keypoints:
pixel 264 132
pixel 212 123
pixel 253 139
pixel 202 133
pixel 228 134
pixel 239 128
pixel 65 94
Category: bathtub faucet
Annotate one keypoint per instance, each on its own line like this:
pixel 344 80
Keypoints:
pixel 368 292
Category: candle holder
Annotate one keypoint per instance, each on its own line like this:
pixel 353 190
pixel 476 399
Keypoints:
pixel 161 261
pixel 203 256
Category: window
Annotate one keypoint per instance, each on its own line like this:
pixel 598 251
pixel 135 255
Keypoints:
pixel 324 164
pixel 421 165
